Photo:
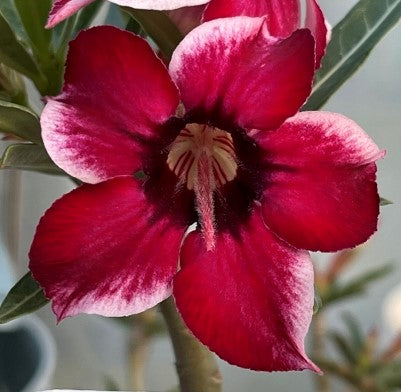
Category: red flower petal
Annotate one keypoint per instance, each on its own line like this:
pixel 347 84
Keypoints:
pixel 114 98
pixel 101 249
pixel 317 24
pixel 250 299
pixel 62 9
pixel 232 70
pixel 321 192
pixel 283 16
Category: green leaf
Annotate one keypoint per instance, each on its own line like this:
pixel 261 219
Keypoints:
pixel 28 157
pixel 343 347
pixel 371 276
pixel 19 121
pixel 39 62
pixel 339 293
pixel 159 27
pixel 63 36
pixel 5 96
pixel 25 297
pixel 317 303
pixel 385 202
pixel 115 17
pixel 86 16
pixel 134 27
pixel 352 40
pixel 12 86
pixel 389 375
pixel 355 332
pixel 33 14
pixel 15 56
pixel 56 33
pixel 7 8
pixel 356 286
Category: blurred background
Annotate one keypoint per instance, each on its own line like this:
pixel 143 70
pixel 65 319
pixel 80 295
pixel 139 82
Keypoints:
pixel 97 353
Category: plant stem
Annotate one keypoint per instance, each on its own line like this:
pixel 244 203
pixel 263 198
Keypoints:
pixel 196 365
pixel 140 340
pixel 364 383
pixel 318 330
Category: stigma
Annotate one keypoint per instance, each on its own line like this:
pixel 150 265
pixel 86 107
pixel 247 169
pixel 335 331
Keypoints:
pixel 204 159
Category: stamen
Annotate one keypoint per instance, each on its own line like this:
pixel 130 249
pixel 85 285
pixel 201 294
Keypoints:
pixel 187 147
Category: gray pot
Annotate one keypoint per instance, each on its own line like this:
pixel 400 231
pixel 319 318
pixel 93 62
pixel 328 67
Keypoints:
pixel 27 356
pixel 27 349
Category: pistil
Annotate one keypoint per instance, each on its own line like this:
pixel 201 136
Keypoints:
pixel 203 158
pixel 204 186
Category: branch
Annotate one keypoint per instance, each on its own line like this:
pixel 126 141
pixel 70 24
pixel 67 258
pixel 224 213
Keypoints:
pixel 196 365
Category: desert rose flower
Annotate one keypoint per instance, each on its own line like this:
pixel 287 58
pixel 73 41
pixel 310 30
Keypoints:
pixel 283 17
pixel 62 9
pixel 220 144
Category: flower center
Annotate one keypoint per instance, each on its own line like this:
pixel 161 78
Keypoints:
pixel 196 143
pixel 203 157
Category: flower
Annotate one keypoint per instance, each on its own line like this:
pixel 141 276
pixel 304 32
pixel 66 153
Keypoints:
pixel 262 186
pixel 63 9
pixel 283 16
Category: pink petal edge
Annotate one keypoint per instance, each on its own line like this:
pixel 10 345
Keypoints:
pixel 321 192
pixel 95 251
pixel 89 130
pixel 63 9
pixel 159 4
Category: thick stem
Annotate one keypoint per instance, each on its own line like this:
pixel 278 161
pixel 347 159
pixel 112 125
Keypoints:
pixel 196 365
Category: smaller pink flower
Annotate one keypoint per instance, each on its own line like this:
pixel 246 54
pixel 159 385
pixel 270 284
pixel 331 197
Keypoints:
pixel 222 145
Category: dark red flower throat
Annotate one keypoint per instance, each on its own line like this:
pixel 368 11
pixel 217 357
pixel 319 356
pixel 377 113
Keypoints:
pixel 213 172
